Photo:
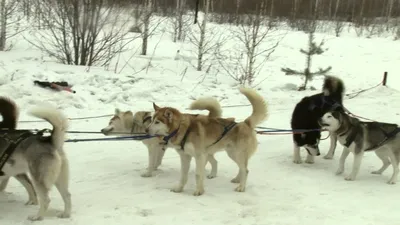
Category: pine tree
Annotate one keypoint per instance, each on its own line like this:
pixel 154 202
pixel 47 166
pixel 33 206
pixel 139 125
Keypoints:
pixel 313 49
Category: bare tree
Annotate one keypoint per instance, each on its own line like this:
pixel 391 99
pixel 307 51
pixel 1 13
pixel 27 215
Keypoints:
pixel 258 40
pixel 9 22
pixel 82 32
pixel 389 13
pixel 146 25
pixel 179 21
pixel 339 23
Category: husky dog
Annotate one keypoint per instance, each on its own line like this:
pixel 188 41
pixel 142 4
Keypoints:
pixel 305 117
pixel 200 137
pixel 359 137
pixel 9 123
pixel 43 157
pixel 126 123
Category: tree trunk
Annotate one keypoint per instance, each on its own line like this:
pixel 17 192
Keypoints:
pixel 202 37
pixel 146 23
pixel 389 13
pixel 3 24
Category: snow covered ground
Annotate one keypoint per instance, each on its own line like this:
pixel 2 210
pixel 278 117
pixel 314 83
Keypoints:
pixel 106 185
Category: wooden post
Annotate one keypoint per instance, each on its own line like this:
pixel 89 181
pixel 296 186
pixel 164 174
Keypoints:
pixel 384 78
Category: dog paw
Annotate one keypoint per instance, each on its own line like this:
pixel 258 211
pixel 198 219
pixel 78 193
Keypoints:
pixel 235 180
pixel 146 174
pixel 32 202
pixel 391 181
pixel 35 218
pixel 328 157
pixel 297 161
pixel 211 176
pixel 309 161
pixel 177 189
pixel 63 215
pixel 376 172
pixel 240 188
pixel 339 171
pixel 350 178
pixel 198 192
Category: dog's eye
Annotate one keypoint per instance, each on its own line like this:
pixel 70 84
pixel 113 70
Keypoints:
pixel 329 117
pixel 157 122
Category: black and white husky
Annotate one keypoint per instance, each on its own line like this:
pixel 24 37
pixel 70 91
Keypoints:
pixel 359 137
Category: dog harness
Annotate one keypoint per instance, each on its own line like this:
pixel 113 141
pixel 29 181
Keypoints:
pixel 226 130
pixel 185 136
pixel 13 144
pixel 387 136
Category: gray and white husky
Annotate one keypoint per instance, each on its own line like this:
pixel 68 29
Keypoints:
pixel 126 123
pixel 40 156
pixel 8 122
pixel 359 137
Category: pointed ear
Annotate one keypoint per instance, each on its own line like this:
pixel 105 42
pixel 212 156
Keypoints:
pixel 168 114
pixel 156 107
pixel 336 114
pixel 117 111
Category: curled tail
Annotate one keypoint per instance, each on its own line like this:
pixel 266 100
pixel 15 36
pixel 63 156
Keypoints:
pixel 260 107
pixel 56 119
pixel 9 112
pixel 207 103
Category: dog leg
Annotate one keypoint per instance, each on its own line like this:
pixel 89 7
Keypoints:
pixel 395 165
pixel 160 156
pixel 152 161
pixel 356 166
pixel 26 182
pixel 385 162
pixel 201 161
pixel 332 147
pixel 214 167
pixel 309 159
pixel 296 154
pixel 242 161
pixel 185 166
pixel 342 160
pixel 231 155
pixel 44 200
pixel 62 185
pixel 3 184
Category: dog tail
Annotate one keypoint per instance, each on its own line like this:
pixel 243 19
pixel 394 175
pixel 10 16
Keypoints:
pixel 57 119
pixel 333 86
pixel 207 103
pixel 9 112
pixel 260 107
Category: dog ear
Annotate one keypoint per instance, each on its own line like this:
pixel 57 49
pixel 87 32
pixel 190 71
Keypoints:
pixel 168 114
pixel 117 111
pixel 336 114
pixel 156 107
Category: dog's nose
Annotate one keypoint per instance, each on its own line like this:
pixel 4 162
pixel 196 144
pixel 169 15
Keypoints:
pixel 102 131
